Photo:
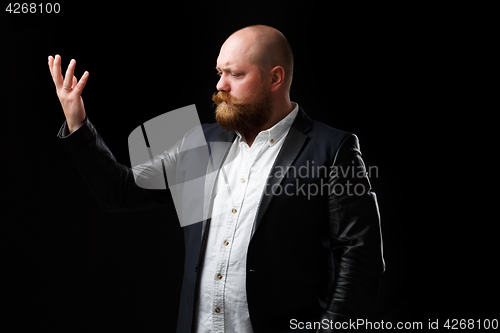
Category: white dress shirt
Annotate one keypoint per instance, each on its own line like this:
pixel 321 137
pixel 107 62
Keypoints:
pixel 222 303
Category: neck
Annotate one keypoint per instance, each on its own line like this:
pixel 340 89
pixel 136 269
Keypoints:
pixel 278 112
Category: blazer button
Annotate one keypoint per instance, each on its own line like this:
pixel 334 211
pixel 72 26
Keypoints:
pixel 219 276
pixel 217 310
pixel 234 211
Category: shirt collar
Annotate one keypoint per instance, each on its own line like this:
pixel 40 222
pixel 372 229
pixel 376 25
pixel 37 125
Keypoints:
pixel 274 134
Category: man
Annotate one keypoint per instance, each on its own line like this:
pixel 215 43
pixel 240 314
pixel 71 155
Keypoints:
pixel 285 249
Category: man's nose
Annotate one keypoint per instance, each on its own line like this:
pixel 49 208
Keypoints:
pixel 223 85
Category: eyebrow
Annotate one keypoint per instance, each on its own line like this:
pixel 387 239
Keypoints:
pixel 225 69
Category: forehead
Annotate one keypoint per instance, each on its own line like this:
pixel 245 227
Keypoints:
pixel 237 51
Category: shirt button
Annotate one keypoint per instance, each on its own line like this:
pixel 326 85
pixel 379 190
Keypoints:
pixel 226 243
pixel 219 276
pixel 234 211
pixel 272 141
pixel 242 180
pixel 217 310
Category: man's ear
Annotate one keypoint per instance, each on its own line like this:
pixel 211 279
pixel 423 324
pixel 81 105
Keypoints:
pixel 277 78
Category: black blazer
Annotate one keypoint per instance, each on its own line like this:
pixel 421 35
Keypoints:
pixel 316 250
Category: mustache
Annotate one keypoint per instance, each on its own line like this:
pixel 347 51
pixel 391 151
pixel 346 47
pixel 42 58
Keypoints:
pixel 223 96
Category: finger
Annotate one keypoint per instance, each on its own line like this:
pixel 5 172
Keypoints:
pixel 56 72
pixel 51 63
pixel 68 78
pixel 81 84
pixel 75 81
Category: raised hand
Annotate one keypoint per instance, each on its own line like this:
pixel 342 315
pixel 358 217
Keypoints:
pixel 69 91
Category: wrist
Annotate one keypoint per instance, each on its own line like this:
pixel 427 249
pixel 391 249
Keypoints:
pixel 74 126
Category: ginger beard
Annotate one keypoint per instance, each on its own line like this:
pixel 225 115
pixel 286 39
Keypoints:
pixel 243 115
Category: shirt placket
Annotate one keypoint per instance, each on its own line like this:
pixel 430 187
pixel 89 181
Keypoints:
pixel 223 260
pixel 220 272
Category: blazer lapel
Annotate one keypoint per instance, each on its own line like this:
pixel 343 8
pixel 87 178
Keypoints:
pixel 217 151
pixel 294 141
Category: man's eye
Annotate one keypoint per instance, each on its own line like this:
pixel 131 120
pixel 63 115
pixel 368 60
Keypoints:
pixel 232 74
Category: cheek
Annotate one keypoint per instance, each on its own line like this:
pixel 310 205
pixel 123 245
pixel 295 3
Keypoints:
pixel 239 88
pixel 238 93
pixel 245 90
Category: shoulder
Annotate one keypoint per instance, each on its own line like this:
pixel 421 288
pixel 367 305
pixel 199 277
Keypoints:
pixel 320 136
pixel 321 130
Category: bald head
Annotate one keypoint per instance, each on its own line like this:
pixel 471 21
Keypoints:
pixel 267 48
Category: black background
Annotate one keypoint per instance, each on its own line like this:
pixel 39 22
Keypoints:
pixel 382 73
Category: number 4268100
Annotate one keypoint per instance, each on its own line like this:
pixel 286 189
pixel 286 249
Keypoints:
pixel 33 8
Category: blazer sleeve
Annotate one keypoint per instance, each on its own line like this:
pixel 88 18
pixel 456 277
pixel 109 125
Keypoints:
pixel 112 184
pixel 355 236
